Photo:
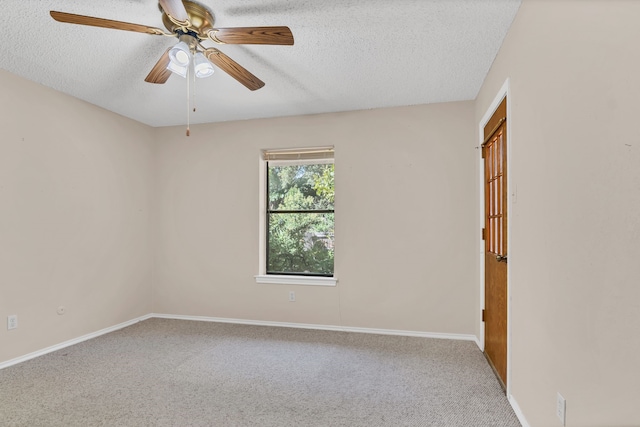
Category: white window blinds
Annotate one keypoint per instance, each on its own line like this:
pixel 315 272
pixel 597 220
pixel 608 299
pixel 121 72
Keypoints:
pixel 298 154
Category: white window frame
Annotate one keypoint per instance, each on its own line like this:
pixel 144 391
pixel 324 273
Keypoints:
pixel 275 279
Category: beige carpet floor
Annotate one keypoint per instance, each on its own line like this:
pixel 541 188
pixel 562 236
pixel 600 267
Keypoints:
pixel 184 373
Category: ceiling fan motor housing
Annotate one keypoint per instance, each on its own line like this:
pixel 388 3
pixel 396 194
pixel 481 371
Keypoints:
pixel 200 21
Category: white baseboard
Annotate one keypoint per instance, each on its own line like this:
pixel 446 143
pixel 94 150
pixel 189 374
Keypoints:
pixel 461 337
pixel 72 342
pixel 518 411
pixel 477 341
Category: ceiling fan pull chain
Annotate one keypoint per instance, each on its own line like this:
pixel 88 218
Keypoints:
pixel 193 93
pixel 188 99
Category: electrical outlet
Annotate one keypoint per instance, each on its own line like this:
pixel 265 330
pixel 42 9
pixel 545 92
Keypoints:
pixel 561 409
pixel 12 321
pixel 292 296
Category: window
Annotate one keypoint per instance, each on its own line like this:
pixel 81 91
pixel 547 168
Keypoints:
pixel 299 212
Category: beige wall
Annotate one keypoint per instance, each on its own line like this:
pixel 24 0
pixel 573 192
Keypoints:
pixel 78 229
pixel 405 196
pixel 74 217
pixel 575 226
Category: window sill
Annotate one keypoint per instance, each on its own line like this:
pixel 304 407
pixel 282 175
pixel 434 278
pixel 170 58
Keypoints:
pixel 274 279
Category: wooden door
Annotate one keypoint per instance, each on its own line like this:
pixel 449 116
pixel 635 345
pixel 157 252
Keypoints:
pixel 494 152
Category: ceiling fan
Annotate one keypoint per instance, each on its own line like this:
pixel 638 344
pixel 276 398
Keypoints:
pixel 192 24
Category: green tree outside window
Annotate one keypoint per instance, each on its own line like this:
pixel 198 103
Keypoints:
pixel 300 219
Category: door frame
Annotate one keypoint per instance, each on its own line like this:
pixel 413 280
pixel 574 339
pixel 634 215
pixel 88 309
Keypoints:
pixel 502 93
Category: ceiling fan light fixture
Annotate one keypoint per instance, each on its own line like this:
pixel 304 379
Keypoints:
pixel 192 23
pixel 180 54
pixel 202 66
pixel 177 69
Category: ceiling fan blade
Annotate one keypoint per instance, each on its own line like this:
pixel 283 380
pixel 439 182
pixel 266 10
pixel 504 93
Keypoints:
pixel 71 18
pixel 252 35
pixel 175 9
pixel 159 73
pixel 234 69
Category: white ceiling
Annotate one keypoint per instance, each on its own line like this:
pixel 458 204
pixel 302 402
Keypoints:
pixel 348 55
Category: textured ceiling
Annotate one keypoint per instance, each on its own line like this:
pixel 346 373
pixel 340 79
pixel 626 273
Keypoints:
pixel 348 55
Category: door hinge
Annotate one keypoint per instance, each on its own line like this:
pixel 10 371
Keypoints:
pixel 483 315
pixel 482 150
pixel 484 234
